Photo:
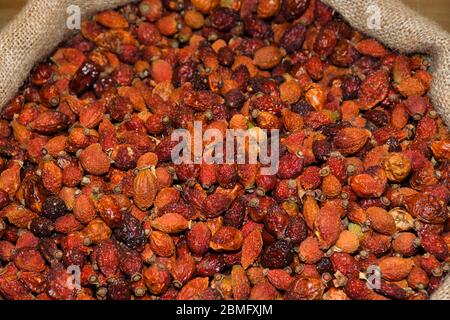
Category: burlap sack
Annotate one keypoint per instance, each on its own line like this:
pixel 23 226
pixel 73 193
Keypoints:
pixel 41 26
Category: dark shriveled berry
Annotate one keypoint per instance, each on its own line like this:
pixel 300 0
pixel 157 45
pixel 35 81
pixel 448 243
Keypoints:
pixel 330 130
pixel 42 226
pixel 290 166
pixel 241 75
pixel 234 99
pixel 41 74
pixel 276 221
pixel 322 149
pixel 223 19
pixel 164 149
pixel 394 145
pixel 74 257
pixel 257 28
pixel 183 73
pixel 130 232
pixel 293 9
pixel 325 265
pixel 85 78
pixel 293 37
pixel 53 207
pixel 378 117
pixel 210 265
pixel 211 294
pixel 225 56
pixel 296 230
pixel 344 54
pixel 118 290
pixel 235 215
pixel 303 108
pixel 200 82
pixel 350 87
pixel 103 86
pixel 249 46
pixel 277 255
pixel 49 250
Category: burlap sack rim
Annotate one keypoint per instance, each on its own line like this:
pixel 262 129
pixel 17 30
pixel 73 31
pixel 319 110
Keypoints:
pixel 36 46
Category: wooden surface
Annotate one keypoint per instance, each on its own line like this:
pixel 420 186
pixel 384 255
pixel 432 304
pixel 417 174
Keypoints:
pixel 438 10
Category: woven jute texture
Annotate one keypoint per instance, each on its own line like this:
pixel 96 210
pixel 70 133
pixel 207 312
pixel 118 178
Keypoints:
pixel 41 26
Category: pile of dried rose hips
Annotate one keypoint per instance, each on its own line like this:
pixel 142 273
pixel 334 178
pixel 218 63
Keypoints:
pixel 87 182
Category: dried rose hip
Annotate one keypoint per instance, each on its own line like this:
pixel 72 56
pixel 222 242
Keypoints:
pixel 53 207
pixel 257 28
pixel 290 166
pixel 293 38
pixel 426 208
pixel 277 255
pixel 293 9
pixel 210 265
pixel 42 226
pixel 85 78
pixel 303 288
pixel 130 232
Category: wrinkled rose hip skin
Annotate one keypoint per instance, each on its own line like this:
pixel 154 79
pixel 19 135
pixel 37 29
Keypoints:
pixel 87 179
